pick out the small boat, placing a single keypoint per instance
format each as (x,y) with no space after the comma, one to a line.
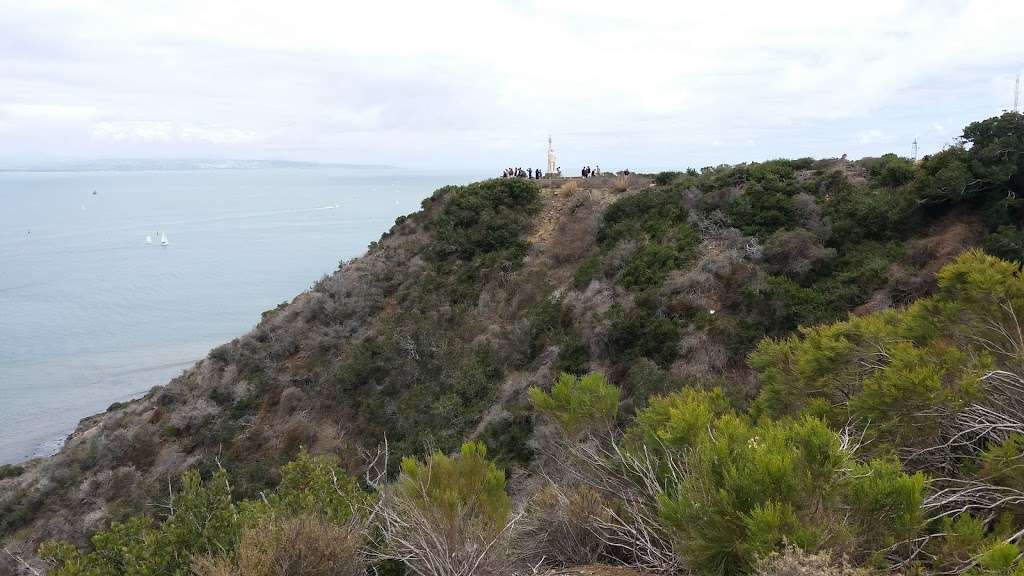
(163,239)
(149,239)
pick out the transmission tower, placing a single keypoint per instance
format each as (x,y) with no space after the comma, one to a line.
(915,149)
(1016,95)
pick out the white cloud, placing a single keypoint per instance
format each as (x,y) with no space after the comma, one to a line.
(217,135)
(871,136)
(475,81)
(138,131)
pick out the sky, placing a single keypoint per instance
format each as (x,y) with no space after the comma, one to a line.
(480,84)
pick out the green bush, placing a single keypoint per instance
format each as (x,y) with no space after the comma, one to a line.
(894,366)
(484,222)
(766,205)
(546,324)
(578,403)
(448,512)
(1006,242)
(782,305)
(747,488)
(508,440)
(573,354)
(651,263)
(996,155)
(310,486)
(10,471)
(433,398)
(468,486)
(646,379)
(944,177)
(587,272)
(859,214)
(891,171)
(651,214)
(1000,463)
(665,178)
(656,218)
(637,333)
(204,521)
(855,276)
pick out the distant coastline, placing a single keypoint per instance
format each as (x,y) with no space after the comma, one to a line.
(158,164)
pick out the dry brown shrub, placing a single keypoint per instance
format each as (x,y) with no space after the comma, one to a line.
(618,256)
(292,398)
(620,183)
(143,447)
(809,215)
(906,285)
(561,527)
(117,484)
(303,546)
(700,354)
(570,187)
(796,253)
(725,263)
(193,416)
(721,198)
(298,433)
(795,562)
(588,311)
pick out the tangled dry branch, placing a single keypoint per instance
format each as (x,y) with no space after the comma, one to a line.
(631,529)
(431,545)
(965,433)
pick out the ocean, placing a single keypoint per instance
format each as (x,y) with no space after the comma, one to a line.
(90,314)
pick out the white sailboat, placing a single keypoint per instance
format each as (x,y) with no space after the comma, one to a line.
(163,239)
(149,239)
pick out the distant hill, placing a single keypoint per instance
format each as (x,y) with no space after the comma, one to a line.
(145,164)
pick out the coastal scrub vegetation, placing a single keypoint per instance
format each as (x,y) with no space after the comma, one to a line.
(781,367)
(840,456)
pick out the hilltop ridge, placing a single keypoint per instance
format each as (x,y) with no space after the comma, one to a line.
(434,336)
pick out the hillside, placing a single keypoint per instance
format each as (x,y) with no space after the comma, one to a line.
(695,280)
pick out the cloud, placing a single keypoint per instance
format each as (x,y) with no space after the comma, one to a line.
(871,136)
(480,83)
(139,131)
(217,135)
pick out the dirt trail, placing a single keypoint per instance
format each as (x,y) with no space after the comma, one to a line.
(559,194)
(594,570)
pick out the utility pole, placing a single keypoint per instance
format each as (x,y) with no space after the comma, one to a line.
(915,149)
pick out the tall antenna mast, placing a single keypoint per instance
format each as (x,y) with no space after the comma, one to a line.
(1016,95)
(915,149)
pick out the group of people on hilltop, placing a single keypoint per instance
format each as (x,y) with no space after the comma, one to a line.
(531,173)
(587,171)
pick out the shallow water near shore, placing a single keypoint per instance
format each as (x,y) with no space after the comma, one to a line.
(90,314)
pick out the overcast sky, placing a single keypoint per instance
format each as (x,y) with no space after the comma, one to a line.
(480,84)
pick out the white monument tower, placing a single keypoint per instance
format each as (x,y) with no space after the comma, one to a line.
(552,165)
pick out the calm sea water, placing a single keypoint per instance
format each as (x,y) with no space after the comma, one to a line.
(90,314)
